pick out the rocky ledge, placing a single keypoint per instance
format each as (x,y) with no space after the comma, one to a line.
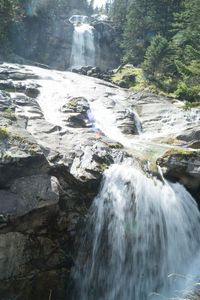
(58,133)
(184,166)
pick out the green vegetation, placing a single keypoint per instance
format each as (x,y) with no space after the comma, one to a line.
(129,76)
(10,11)
(9,114)
(4,133)
(121,78)
(181,152)
(188,105)
(161,38)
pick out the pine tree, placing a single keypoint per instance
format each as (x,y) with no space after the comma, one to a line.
(138,31)
(186,43)
(119,9)
(10,11)
(155,62)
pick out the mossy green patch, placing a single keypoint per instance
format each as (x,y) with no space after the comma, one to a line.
(181,152)
(140,82)
(114,145)
(190,105)
(130,77)
(9,113)
(165,86)
(4,133)
(102,167)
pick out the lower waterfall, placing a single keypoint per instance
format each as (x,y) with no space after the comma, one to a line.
(141,239)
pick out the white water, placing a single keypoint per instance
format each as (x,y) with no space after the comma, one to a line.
(83,46)
(141,239)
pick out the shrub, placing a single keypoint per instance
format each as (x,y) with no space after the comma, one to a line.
(184,92)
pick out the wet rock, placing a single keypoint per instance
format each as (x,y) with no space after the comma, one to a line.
(76,112)
(19,157)
(126,121)
(46,256)
(32,92)
(190,137)
(95,72)
(91,164)
(184,166)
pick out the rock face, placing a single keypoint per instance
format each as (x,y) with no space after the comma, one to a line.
(49,40)
(107,55)
(183,166)
(59,131)
(190,137)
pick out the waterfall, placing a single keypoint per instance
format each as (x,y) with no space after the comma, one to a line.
(83,46)
(141,238)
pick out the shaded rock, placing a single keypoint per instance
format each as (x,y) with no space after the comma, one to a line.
(191,137)
(19,156)
(127,121)
(95,72)
(32,92)
(184,166)
(29,193)
(24,279)
(91,164)
(17,72)
(76,110)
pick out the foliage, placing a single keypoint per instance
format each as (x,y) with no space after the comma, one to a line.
(189,105)
(155,54)
(185,92)
(163,37)
(9,114)
(124,73)
(10,11)
(52,8)
(4,133)
(137,31)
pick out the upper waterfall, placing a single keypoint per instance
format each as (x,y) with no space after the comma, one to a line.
(83,45)
(141,239)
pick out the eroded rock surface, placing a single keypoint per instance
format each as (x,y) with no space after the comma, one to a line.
(184,166)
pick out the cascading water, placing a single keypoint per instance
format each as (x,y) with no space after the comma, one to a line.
(83,46)
(140,234)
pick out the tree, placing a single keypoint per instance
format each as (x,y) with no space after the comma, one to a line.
(186,42)
(155,63)
(10,11)
(138,31)
(119,9)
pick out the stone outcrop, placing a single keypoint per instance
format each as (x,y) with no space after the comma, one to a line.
(190,137)
(94,72)
(107,53)
(183,165)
